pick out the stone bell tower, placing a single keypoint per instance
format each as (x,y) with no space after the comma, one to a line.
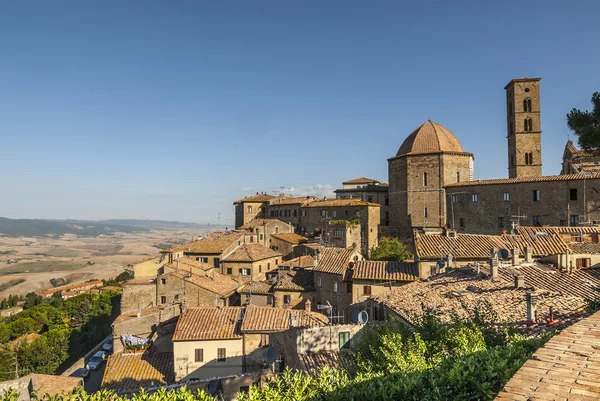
(524,127)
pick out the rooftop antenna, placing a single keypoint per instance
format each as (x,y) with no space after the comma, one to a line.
(515,219)
(219,218)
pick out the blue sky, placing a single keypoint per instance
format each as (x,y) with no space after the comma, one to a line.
(172,110)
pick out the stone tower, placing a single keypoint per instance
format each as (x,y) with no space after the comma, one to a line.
(428,159)
(524,127)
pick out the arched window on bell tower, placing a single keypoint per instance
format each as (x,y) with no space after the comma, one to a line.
(527,105)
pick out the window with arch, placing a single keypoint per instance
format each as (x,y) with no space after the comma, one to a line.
(425,180)
(249,208)
(528,125)
(529,158)
(458,176)
(527,105)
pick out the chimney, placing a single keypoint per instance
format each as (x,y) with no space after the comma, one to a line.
(450,261)
(531,299)
(528,254)
(317,256)
(515,257)
(307,305)
(292,319)
(519,281)
(494,263)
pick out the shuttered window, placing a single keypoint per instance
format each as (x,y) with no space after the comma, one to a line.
(199,355)
(221,355)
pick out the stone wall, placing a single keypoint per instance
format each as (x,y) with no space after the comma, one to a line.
(258,269)
(244,216)
(553,208)
(138,296)
(172,289)
(297,298)
(340,299)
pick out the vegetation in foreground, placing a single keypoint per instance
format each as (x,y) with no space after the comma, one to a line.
(586,124)
(464,360)
(390,249)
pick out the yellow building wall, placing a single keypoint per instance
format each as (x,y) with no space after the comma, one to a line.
(148,268)
(187,368)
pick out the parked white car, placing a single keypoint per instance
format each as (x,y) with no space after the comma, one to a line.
(107,346)
(96,360)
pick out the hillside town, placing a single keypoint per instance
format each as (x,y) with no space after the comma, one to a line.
(294,284)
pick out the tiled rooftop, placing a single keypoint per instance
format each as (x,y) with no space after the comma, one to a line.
(430,137)
(592,248)
(217,283)
(259,222)
(215,243)
(127,373)
(255,198)
(296,280)
(187,261)
(452,293)
(544,178)
(334,260)
(381,270)
(250,253)
(267,319)
(361,180)
(566,368)
(96,283)
(292,238)
(291,201)
(141,281)
(260,287)
(303,261)
(209,324)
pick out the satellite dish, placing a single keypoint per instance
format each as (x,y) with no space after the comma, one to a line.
(212,387)
(440,264)
(363,317)
(503,254)
(355,315)
(271,355)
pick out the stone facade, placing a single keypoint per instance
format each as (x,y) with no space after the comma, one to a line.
(368,190)
(333,289)
(257,269)
(342,234)
(138,294)
(417,186)
(187,368)
(524,128)
(251,207)
(487,207)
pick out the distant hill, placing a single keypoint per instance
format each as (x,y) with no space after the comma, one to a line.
(41,227)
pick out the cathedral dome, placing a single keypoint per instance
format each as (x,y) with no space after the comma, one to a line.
(430,137)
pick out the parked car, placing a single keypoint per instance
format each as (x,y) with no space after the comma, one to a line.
(107,346)
(96,360)
(85,374)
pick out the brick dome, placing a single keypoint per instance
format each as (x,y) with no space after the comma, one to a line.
(430,137)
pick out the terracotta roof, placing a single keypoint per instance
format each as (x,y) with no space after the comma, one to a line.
(187,261)
(579,283)
(334,260)
(217,283)
(573,230)
(255,198)
(467,246)
(292,201)
(313,362)
(303,261)
(592,248)
(143,312)
(250,253)
(430,137)
(340,202)
(259,222)
(479,246)
(292,238)
(209,324)
(215,243)
(127,373)
(53,384)
(380,270)
(296,280)
(261,287)
(545,178)
(451,293)
(361,180)
(95,283)
(267,319)
(567,367)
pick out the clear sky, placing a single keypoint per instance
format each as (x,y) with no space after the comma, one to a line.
(174,109)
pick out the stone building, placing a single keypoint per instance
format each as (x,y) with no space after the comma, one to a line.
(316,214)
(579,161)
(212,248)
(371,278)
(285,243)
(333,281)
(368,190)
(288,209)
(490,206)
(138,293)
(211,289)
(295,289)
(524,128)
(429,159)
(342,233)
(264,229)
(250,207)
(250,262)
(217,342)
